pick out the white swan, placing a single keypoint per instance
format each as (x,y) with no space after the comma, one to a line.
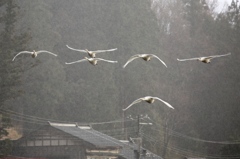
(91,53)
(148,99)
(34,53)
(206,59)
(146,57)
(93,61)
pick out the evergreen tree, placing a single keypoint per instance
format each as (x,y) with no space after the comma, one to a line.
(5,144)
(10,78)
(10,43)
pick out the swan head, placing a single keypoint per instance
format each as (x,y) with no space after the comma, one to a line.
(87,51)
(90,53)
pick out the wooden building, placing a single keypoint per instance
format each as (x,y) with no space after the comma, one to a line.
(71,141)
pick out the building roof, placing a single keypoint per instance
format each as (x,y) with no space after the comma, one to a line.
(100,140)
(88,134)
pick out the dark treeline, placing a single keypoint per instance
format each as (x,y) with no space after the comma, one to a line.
(205,96)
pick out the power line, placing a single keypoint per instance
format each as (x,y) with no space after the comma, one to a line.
(180,135)
(43,121)
(28,116)
(31,119)
(188,152)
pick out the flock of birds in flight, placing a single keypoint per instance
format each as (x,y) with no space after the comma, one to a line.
(147,57)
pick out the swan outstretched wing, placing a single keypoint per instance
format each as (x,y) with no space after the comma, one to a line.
(131,59)
(159,59)
(98,51)
(134,102)
(41,51)
(166,103)
(196,58)
(22,52)
(214,56)
(69,63)
(207,57)
(76,49)
(100,59)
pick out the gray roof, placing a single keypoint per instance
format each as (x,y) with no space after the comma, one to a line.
(89,135)
(99,139)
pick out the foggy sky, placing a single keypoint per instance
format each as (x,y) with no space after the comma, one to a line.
(221,4)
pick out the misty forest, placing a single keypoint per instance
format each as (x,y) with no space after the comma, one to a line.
(205,121)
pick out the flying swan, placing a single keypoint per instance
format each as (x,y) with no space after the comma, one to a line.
(93,61)
(146,57)
(34,53)
(206,59)
(148,99)
(91,53)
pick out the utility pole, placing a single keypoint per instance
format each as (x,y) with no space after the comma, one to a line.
(123,125)
(123,120)
(138,126)
(138,137)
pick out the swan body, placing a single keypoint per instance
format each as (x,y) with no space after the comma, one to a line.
(93,61)
(206,59)
(148,99)
(91,53)
(33,53)
(146,57)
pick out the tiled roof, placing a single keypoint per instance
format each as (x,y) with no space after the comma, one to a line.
(99,139)
(88,135)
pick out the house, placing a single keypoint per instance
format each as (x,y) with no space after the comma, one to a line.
(72,141)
